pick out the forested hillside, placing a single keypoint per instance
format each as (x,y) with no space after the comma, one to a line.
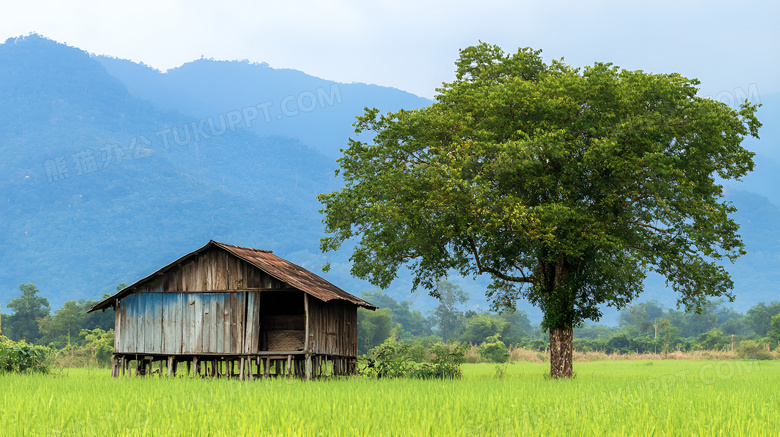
(110,169)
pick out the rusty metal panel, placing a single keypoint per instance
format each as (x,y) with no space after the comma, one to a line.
(293,274)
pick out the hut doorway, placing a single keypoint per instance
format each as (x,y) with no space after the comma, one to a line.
(282,321)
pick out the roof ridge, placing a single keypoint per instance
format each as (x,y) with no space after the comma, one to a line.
(244,247)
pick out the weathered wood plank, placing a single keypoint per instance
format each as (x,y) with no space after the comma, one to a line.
(218,337)
(158,321)
(199,319)
(215,326)
(207,322)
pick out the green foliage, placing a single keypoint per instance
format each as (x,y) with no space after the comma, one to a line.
(22,357)
(754,350)
(494,350)
(392,359)
(64,326)
(374,327)
(100,343)
(388,360)
(712,340)
(564,185)
(759,317)
(412,322)
(482,326)
(445,363)
(446,316)
(28,309)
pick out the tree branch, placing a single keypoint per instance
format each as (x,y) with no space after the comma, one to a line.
(484,269)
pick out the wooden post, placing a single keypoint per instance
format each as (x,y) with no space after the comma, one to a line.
(308,366)
(170,365)
(267,368)
(289,365)
(306,326)
(161,368)
(241,372)
(194,367)
(113,366)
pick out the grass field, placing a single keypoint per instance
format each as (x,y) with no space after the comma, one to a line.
(661,398)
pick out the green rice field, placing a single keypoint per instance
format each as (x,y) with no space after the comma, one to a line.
(615,398)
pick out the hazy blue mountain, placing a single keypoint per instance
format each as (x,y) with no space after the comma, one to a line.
(90,195)
(110,169)
(318,112)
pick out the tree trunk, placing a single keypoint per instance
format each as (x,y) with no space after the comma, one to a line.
(561,352)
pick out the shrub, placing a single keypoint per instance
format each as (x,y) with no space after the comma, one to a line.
(445,363)
(22,357)
(394,360)
(493,349)
(754,350)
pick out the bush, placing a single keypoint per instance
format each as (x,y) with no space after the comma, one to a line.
(388,360)
(22,357)
(445,364)
(494,350)
(754,350)
(394,360)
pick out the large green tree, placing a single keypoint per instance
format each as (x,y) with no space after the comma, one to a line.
(29,309)
(564,185)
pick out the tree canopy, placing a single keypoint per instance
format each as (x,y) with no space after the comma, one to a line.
(564,185)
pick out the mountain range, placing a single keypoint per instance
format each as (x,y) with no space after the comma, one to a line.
(111,169)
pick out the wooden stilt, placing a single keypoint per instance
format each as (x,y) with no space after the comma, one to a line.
(289,365)
(308,366)
(113,366)
(194,367)
(170,366)
(267,368)
(241,372)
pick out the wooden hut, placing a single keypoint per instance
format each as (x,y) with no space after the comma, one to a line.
(234,311)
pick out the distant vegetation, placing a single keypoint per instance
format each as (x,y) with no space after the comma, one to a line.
(399,340)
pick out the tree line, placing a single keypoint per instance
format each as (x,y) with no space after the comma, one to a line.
(645,327)
(31,320)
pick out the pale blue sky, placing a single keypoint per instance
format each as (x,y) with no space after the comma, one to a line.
(412,45)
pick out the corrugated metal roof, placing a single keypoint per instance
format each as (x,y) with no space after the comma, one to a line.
(265,260)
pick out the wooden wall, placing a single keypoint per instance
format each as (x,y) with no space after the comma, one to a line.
(188,323)
(333,328)
(214,270)
(205,305)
